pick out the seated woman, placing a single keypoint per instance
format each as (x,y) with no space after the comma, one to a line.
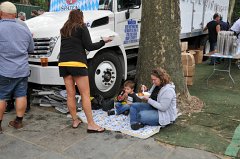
(160,107)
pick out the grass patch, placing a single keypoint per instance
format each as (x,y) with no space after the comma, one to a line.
(213,128)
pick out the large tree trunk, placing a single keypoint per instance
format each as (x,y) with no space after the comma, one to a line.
(230,11)
(159,43)
(24,2)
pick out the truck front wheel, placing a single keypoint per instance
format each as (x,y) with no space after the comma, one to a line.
(105,74)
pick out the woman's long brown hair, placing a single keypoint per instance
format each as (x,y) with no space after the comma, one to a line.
(162,75)
(75,20)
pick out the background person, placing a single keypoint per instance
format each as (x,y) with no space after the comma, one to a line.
(41,11)
(14,69)
(236,29)
(22,16)
(213,28)
(75,39)
(160,107)
(223,25)
(34,13)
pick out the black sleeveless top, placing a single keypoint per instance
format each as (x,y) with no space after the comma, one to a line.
(73,48)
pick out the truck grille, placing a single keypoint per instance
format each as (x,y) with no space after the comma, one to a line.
(41,46)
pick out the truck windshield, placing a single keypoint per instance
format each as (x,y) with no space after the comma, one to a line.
(105,5)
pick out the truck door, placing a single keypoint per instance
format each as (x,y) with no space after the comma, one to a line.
(198,15)
(128,29)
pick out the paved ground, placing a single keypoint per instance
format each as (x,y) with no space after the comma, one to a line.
(48,135)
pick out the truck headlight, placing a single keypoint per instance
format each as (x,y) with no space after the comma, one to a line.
(52,43)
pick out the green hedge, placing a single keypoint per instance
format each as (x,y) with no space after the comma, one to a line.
(27,9)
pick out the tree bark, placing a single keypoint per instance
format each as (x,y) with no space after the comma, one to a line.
(160,44)
(24,2)
(230,10)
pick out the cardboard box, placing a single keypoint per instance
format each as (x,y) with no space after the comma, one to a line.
(187,59)
(198,56)
(184,46)
(201,47)
(192,52)
(189,71)
(189,81)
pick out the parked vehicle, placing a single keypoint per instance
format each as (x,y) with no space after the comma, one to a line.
(117,59)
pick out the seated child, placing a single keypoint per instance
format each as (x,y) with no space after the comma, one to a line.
(125,99)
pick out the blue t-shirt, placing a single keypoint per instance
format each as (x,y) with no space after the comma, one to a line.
(15,43)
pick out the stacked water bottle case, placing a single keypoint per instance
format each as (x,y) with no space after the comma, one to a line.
(227,43)
(188,63)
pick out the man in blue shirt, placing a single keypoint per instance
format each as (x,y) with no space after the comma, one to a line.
(10,103)
(223,25)
(15,43)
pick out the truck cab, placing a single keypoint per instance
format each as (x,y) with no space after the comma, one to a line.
(108,65)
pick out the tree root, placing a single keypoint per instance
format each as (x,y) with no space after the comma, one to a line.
(188,104)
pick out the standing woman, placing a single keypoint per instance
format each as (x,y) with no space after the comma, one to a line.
(160,107)
(75,39)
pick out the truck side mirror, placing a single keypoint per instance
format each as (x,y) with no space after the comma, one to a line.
(134,4)
(127,14)
(138,2)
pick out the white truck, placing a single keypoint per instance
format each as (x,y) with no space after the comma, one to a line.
(110,65)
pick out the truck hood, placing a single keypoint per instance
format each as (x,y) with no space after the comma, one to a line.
(50,23)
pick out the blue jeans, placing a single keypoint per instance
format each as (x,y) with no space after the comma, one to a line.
(121,108)
(13,87)
(144,113)
(213,47)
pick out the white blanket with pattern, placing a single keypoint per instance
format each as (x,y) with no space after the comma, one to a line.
(119,123)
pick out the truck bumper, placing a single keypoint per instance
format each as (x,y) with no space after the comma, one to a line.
(45,75)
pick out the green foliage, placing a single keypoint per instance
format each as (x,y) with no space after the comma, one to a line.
(236,12)
(42,3)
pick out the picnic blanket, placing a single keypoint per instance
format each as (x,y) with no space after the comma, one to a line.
(119,123)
